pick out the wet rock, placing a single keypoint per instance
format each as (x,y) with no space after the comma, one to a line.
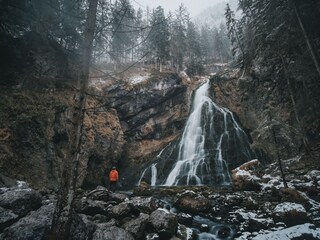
(121,210)
(290,213)
(224,232)
(191,202)
(105,232)
(164,223)
(81,228)
(90,207)
(204,228)
(100,194)
(185,233)
(143,204)
(36,225)
(247,176)
(99,218)
(184,218)
(251,221)
(118,197)
(152,236)
(292,195)
(7,217)
(143,189)
(137,226)
(250,203)
(20,201)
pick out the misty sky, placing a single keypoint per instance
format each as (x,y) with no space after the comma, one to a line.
(193,6)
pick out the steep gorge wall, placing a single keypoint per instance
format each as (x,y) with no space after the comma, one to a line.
(34,137)
(152,114)
(126,126)
(129,124)
(262,109)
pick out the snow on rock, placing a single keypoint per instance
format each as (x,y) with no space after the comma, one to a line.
(289,206)
(290,213)
(246,177)
(251,221)
(304,231)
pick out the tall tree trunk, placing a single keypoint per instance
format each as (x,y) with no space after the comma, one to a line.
(279,159)
(63,213)
(306,38)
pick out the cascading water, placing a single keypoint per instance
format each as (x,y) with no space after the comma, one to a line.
(210,138)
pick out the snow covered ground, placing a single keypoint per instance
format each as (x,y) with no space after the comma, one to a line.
(304,231)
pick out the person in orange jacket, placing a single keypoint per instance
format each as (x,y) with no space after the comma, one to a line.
(113,178)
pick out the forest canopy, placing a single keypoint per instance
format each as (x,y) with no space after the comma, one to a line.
(43,39)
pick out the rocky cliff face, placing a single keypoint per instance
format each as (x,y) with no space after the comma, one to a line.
(129,124)
(125,126)
(35,134)
(263,109)
(151,113)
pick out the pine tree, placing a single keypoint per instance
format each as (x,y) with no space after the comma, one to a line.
(159,37)
(179,36)
(206,42)
(233,30)
(194,50)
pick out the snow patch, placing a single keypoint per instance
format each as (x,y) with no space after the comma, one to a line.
(288,207)
(290,233)
(22,185)
(164,210)
(246,174)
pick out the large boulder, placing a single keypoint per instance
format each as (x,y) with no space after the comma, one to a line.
(121,210)
(144,204)
(290,213)
(164,223)
(192,202)
(105,232)
(137,226)
(20,201)
(251,221)
(7,217)
(247,176)
(36,225)
(118,197)
(100,194)
(90,207)
(81,228)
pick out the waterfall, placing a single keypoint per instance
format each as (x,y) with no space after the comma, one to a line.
(154,174)
(211,137)
(191,162)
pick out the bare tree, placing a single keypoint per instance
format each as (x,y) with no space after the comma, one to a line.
(63,214)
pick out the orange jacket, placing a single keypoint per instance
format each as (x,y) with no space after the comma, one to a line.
(113,176)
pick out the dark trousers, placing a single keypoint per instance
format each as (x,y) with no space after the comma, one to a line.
(113,186)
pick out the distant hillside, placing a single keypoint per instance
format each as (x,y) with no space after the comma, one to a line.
(214,15)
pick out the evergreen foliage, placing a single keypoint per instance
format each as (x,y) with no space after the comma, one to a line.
(159,36)
(44,39)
